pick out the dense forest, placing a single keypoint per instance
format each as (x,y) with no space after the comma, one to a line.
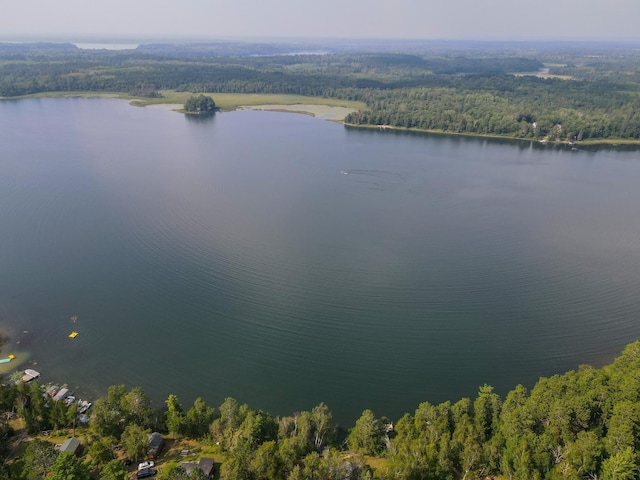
(571,92)
(582,424)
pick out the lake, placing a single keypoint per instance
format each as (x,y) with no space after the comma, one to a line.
(286,261)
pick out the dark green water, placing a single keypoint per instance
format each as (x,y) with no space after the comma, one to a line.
(233,256)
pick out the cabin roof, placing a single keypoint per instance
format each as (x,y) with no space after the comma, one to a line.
(206,465)
(70,445)
(155,439)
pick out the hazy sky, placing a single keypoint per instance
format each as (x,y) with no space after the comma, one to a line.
(444,19)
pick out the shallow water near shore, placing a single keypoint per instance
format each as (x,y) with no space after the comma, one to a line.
(288,261)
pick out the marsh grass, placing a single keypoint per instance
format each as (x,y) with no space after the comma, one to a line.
(231,101)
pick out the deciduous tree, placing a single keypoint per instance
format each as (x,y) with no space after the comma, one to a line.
(135,441)
(114,470)
(69,467)
(367,436)
(174,416)
(199,418)
(38,459)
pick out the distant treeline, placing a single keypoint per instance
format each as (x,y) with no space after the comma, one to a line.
(460,92)
(583,424)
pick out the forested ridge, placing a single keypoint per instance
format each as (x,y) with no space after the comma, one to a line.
(593,92)
(582,424)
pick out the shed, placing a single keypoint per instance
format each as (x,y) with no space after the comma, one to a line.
(70,445)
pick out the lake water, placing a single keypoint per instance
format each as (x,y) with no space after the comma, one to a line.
(288,261)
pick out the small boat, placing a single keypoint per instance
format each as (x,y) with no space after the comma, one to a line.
(83,406)
(8,359)
(61,394)
(73,334)
(69,400)
(52,390)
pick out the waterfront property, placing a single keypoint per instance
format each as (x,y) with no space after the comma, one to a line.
(71,445)
(205,464)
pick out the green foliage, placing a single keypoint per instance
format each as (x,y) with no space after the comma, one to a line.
(32,406)
(108,418)
(224,430)
(114,470)
(69,467)
(368,435)
(61,415)
(323,430)
(175,472)
(101,450)
(197,474)
(258,427)
(486,412)
(7,397)
(135,441)
(121,408)
(265,462)
(199,418)
(38,459)
(200,104)
(174,416)
(621,466)
(136,407)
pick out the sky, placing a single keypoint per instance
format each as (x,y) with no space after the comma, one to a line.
(401,19)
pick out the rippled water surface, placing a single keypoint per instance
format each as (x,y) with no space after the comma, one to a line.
(285,261)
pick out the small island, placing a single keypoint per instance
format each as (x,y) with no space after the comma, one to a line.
(200,105)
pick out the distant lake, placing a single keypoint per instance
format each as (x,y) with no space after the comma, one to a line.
(106,46)
(287,261)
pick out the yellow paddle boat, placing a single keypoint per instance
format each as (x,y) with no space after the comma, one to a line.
(8,359)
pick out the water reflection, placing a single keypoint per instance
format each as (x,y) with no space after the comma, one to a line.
(201,119)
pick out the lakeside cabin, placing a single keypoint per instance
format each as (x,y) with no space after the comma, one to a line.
(154,445)
(69,445)
(205,464)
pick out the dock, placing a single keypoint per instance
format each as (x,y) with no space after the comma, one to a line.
(29,375)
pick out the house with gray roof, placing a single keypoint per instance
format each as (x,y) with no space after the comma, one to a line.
(70,445)
(205,464)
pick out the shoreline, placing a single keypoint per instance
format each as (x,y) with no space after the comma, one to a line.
(296,104)
(612,142)
(9,345)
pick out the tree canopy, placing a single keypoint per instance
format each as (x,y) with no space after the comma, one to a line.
(200,104)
